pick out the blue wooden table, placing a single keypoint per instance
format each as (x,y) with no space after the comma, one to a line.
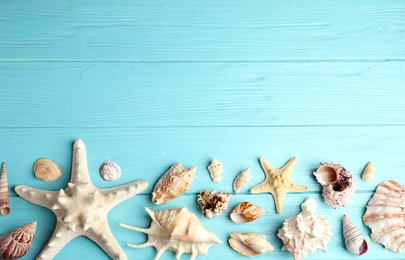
(150,83)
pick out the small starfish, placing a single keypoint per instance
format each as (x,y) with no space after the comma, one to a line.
(81,209)
(278,182)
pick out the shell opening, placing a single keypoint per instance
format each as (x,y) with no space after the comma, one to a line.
(363,248)
(326,175)
(241,247)
(5,211)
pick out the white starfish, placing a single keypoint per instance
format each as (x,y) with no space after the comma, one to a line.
(81,209)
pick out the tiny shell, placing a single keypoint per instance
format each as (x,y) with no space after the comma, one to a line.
(212,202)
(246,212)
(47,170)
(249,244)
(110,171)
(4,196)
(368,173)
(241,180)
(16,244)
(215,169)
(354,239)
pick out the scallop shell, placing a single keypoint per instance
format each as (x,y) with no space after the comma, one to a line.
(304,233)
(215,169)
(212,202)
(354,239)
(250,244)
(173,183)
(241,180)
(4,197)
(178,230)
(16,244)
(385,215)
(47,170)
(110,171)
(337,184)
(368,173)
(246,212)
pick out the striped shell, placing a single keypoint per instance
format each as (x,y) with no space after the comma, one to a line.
(354,239)
(4,197)
(241,180)
(47,170)
(212,202)
(246,212)
(368,173)
(215,169)
(385,217)
(110,171)
(249,244)
(16,244)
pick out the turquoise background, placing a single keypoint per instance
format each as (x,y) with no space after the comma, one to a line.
(150,83)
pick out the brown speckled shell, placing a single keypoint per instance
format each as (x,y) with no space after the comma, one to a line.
(212,202)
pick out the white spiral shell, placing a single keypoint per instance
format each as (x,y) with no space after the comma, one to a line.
(354,239)
(215,169)
(4,196)
(241,180)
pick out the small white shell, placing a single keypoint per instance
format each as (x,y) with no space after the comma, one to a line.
(4,196)
(368,173)
(47,170)
(354,239)
(110,171)
(246,212)
(215,169)
(249,244)
(241,180)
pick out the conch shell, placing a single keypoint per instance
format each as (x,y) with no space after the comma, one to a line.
(47,170)
(385,215)
(337,184)
(16,244)
(178,230)
(4,197)
(212,202)
(305,233)
(173,183)
(241,180)
(246,212)
(368,173)
(354,239)
(215,169)
(110,171)
(250,244)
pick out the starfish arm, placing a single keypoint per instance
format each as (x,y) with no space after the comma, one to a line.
(288,167)
(43,198)
(298,188)
(118,194)
(266,166)
(279,200)
(262,187)
(80,171)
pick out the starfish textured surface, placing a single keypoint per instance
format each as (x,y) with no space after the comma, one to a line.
(81,209)
(278,182)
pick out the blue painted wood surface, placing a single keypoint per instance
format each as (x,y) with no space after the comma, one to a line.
(150,83)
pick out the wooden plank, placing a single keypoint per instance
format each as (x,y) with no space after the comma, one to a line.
(201,30)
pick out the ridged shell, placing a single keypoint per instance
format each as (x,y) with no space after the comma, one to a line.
(47,170)
(338,186)
(16,244)
(241,180)
(110,171)
(354,239)
(215,169)
(250,244)
(368,173)
(385,215)
(304,233)
(178,230)
(173,183)
(246,212)
(212,202)
(4,196)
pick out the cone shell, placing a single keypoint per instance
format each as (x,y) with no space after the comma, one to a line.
(110,171)
(385,216)
(354,239)
(368,173)
(249,244)
(178,230)
(47,170)
(173,183)
(4,197)
(17,243)
(241,180)
(215,169)
(246,212)
(212,202)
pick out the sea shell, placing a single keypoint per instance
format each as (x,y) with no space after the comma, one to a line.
(173,183)
(212,202)
(47,170)
(16,244)
(337,184)
(368,173)
(249,244)
(246,212)
(241,180)
(4,198)
(110,171)
(354,239)
(304,233)
(215,169)
(385,215)
(178,230)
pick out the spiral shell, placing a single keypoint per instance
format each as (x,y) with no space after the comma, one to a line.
(215,169)
(368,173)
(249,244)
(354,239)
(110,171)
(4,197)
(16,244)
(246,212)
(213,203)
(241,180)
(47,170)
